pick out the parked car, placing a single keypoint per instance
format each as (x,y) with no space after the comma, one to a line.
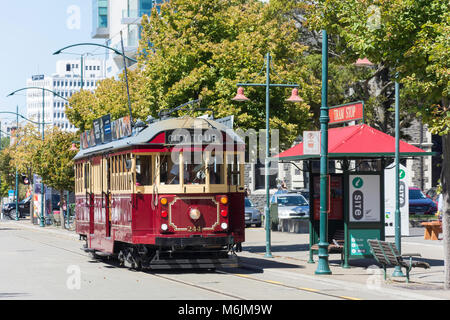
(252,214)
(419,203)
(291,205)
(9,209)
(303,192)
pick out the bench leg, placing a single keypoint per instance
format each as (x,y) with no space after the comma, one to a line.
(427,233)
(434,234)
(407,274)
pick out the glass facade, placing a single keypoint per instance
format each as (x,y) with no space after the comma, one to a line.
(99,17)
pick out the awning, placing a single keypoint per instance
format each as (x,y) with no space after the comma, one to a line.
(360,141)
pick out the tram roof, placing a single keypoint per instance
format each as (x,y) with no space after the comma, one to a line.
(145,135)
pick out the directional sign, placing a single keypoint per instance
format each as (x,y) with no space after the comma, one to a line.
(345,113)
(311,142)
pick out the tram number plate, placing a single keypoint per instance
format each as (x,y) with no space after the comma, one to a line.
(194,229)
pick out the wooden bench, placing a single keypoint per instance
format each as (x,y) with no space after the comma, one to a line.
(432,230)
(386,254)
(336,245)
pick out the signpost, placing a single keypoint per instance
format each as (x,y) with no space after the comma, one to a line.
(347,112)
(389,178)
(364,198)
(311,142)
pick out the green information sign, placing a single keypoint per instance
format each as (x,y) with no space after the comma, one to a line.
(358,241)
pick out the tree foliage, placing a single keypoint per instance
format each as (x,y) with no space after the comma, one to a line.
(53,160)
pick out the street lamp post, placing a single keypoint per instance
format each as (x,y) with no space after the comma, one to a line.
(17,176)
(294,98)
(398,241)
(117,52)
(322,265)
(42,224)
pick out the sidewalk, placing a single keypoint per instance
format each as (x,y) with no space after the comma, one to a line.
(290,259)
(291,254)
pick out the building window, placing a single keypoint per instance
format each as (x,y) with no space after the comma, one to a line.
(68,67)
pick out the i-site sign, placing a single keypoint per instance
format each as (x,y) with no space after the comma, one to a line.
(347,112)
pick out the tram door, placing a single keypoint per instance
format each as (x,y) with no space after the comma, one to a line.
(89,194)
(106,192)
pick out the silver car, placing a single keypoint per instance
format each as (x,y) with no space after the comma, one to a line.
(291,205)
(252,214)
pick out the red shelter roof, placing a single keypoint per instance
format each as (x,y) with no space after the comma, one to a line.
(360,141)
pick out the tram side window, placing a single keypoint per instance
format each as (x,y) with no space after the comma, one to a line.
(169,171)
(194,168)
(233,170)
(143,170)
(216,169)
(86,175)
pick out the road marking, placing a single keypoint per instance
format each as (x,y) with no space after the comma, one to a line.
(349,298)
(308,289)
(274,282)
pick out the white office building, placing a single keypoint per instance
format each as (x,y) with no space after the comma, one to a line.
(65,82)
(110,17)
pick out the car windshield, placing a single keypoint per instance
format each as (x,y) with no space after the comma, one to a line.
(25,200)
(291,201)
(416,194)
(248,203)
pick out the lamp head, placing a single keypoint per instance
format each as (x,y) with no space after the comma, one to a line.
(240,95)
(74,147)
(363,63)
(294,96)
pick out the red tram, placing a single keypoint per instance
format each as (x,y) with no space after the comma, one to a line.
(170,195)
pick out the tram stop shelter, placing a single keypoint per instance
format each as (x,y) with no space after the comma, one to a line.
(358,156)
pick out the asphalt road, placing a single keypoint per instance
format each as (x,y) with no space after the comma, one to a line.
(49,264)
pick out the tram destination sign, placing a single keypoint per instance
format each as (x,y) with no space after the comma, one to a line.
(189,136)
(348,112)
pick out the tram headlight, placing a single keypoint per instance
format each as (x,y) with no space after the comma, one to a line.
(224,213)
(224,226)
(194,214)
(164,227)
(163,201)
(164,214)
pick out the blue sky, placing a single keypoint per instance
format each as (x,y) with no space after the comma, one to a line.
(31,30)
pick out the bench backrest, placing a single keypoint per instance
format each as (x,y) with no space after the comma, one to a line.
(384,252)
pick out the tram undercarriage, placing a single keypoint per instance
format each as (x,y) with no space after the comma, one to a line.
(173,257)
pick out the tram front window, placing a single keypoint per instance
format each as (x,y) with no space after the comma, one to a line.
(143,170)
(216,172)
(169,171)
(194,168)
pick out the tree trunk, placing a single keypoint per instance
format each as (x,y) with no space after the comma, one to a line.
(445,180)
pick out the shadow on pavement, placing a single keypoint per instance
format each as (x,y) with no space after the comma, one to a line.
(277,248)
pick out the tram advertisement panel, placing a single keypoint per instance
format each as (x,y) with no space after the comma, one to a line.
(364,204)
(336,199)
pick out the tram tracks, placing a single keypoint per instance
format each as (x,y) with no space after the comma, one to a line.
(240,273)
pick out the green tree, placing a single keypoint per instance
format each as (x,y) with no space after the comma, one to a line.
(53,161)
(197,48)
